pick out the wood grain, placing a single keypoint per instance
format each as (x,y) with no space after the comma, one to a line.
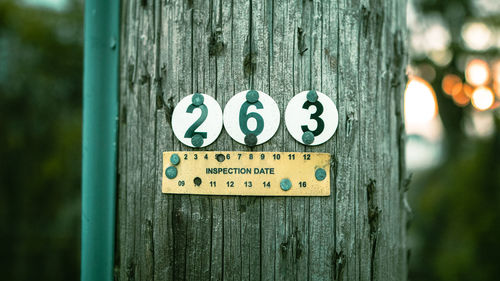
(353,51)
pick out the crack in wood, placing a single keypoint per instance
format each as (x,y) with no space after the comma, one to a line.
(130,271)
(301,41)
(338,264)
(216,42)
(373,221)
(131,76)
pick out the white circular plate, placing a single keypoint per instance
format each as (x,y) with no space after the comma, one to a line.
(302,115)
(261,118)
(188,120)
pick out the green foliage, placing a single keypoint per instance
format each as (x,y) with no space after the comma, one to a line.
(40,148)
(457,217)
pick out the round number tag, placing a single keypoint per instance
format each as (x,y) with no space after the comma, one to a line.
(251,117)
(311,117)
(197,120)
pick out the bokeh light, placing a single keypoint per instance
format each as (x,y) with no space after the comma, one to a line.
(477,72)
(482,98)
(460,96)
(419,101)
(477,36)
(496,89)
(468,90)
(496,71)
(425,71)
(496,77)
(441,57)
(449,82)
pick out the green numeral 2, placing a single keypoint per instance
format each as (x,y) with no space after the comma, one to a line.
(204,113)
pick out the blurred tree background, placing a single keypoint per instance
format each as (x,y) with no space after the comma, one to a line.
(452,120)
(40,145)
(455,193)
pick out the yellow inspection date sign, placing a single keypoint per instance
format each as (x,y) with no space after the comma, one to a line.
(246,173)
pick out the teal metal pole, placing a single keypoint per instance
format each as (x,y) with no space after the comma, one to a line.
(100,113)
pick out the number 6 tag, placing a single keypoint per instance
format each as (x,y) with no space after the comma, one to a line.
(311,117)
(251,117)
(197,120)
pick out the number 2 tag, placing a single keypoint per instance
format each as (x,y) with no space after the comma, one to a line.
(197,120)
(311,117)
(251,117)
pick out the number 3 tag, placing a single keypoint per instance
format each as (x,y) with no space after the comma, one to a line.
(311,117)
(251,117)
(197,120)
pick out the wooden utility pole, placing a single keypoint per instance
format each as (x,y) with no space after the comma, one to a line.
(353,51)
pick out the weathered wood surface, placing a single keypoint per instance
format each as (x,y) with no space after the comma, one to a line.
(352,51)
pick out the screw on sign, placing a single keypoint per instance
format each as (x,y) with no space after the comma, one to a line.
(175,159)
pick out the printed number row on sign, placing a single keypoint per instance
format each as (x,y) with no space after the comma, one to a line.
(253,117)
(240,156)
(247,184)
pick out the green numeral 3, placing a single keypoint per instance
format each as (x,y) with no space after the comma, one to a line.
(315,116)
